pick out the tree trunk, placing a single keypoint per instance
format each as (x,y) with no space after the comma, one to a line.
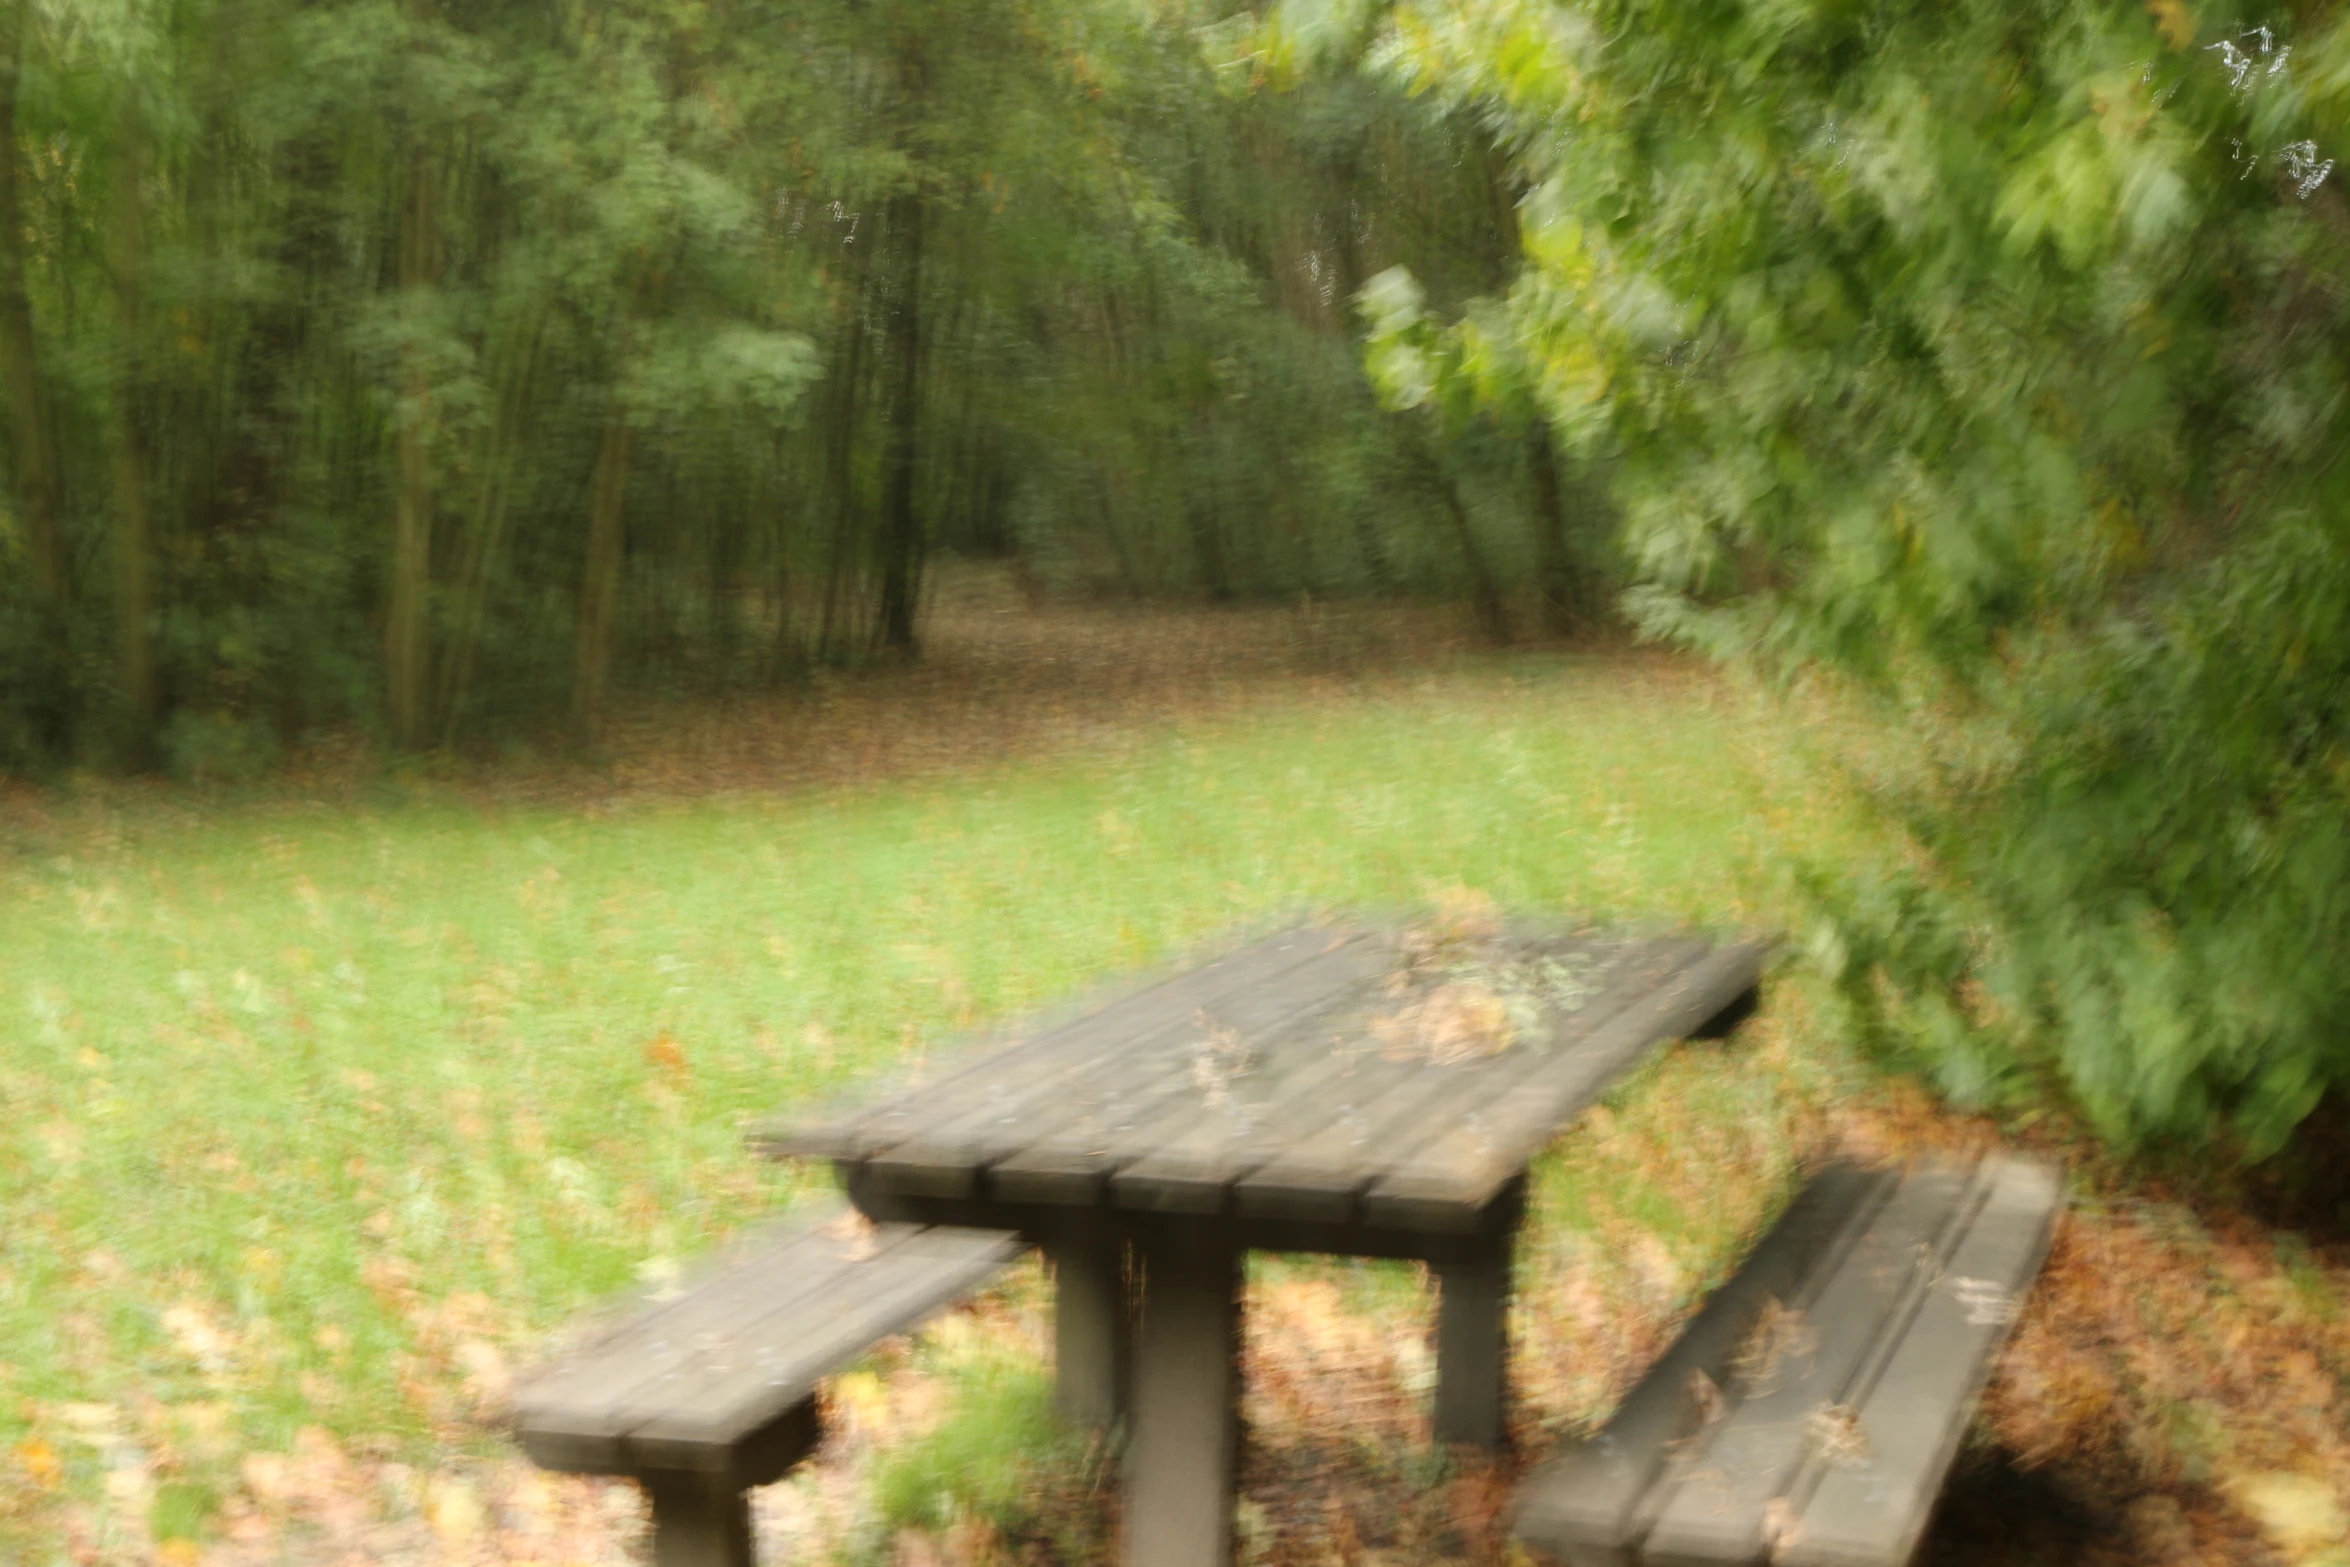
(1563,606)
(485,535)
(1484,589)
(901,523)
(1209,543)
(846,388)
(407,641)
(38,474)
(599,588)
(134,574)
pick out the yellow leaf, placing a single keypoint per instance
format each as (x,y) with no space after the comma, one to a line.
(41,1462)
(2299,1514)
(667,1054)
(454,1510)
(2174,21)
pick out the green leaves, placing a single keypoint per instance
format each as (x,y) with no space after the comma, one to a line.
(1982,356)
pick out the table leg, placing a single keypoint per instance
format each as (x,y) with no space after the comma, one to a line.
(1182,1458)
(1092,1325)
(699,1521)
(1472,1349)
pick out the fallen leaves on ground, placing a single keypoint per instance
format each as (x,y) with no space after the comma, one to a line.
(2174,1391)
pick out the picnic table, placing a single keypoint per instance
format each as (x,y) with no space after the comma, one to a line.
(1351,1088)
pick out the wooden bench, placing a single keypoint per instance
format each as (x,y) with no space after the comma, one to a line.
(710,1389)
(1808,1414)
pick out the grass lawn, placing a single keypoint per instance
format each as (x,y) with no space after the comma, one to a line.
(321,1109)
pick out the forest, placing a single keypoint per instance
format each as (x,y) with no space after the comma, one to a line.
(445,366)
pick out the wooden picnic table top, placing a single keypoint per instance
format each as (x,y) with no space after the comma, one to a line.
(1338,1072)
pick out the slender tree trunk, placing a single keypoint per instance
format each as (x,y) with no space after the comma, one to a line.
(901,523)
(134,573)
(1563,607)
(1484,588)
(407,641)
(486,533)
(846,387)
(599,588)
(39,478)
(1206,520)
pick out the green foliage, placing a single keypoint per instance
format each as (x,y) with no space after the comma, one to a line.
(430,366)
(1989,357)
(986,1458)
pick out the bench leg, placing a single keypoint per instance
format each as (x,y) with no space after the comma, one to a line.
(1182,1456)
(699,1521)
(1472,1349)
(1092,1326)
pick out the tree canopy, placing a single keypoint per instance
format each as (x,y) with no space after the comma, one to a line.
(1990,357)
(432,366)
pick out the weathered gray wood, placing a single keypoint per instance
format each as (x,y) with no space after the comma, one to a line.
(569,1411)
(996,1119)
(1472,1349)
(1446,1181)
(1073,1163)
(1093,1322)
(1319,1170)
(1181,1462)
(1721,1506)
(1871,1510)
(1203,1156)
(1031,1051)
(1182,1156)
(1592,1506)
(680,1421)
(699,1522)
(660,1393)
(1102,1122)
(1352,1238)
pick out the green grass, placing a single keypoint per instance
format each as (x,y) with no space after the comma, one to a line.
(306,1111)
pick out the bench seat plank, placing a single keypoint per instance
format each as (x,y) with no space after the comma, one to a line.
(716,1379)
(1592,1506)
(1873,1510)
(1824,1437)
(1720,1510)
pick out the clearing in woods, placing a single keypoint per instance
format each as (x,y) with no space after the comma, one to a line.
(326,1100)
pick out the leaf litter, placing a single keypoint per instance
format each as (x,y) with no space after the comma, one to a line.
(2174,1391)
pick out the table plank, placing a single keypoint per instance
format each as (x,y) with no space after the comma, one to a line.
(888,1116)
(1072,1162)
(946,1155)
(1320,1169)
(1192,1160)
(1446,1180)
